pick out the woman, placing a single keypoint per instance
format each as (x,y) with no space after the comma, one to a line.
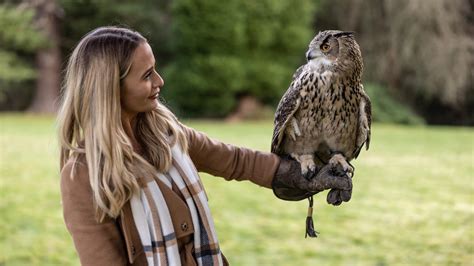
(129,184)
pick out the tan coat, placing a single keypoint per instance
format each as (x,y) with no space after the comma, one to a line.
(116,241)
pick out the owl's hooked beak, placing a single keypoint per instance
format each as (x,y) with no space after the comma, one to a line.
(311,54)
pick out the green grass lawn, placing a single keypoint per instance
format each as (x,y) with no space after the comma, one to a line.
(413,201)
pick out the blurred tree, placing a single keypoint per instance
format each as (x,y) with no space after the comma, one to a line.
(386,109)
(19,40)
(149,17)
(48,59)
(422,50)
(63,23)
(226,49)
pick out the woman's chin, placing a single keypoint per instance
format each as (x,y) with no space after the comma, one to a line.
(153,105)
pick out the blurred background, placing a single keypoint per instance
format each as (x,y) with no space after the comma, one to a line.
(225,65)
(219,59)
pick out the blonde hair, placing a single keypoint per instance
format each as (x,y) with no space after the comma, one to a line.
(89,120)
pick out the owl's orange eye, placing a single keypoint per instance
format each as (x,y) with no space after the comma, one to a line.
(325,47)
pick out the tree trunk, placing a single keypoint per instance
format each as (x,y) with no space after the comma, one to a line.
(48,59)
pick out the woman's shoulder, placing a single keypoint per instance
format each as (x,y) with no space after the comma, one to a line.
(75,172)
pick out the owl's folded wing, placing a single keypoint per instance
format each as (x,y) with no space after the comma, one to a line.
(365,123)
(287,107)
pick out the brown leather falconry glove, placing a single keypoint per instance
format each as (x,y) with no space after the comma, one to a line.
(289,184)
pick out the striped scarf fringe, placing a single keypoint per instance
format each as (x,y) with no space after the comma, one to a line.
(153,221)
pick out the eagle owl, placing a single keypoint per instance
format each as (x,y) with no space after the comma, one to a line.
(325,115)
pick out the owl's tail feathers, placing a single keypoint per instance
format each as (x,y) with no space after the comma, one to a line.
(309,221)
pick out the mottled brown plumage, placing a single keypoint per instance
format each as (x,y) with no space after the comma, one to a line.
(325,114)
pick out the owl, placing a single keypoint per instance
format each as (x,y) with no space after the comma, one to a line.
(325,115)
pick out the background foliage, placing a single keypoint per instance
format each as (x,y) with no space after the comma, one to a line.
(386,108)
(151,18)
(19,41)
(422,51)
(213,53)
(19,38)
(221,55)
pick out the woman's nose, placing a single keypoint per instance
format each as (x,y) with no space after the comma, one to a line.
(159,82)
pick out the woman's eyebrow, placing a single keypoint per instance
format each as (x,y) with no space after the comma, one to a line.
(148,70)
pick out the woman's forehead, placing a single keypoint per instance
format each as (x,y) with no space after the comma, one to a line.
(142,58)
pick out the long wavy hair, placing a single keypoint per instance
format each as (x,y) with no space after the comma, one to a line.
(89,120)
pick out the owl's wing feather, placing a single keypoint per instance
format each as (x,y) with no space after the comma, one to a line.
(287,107)
(365,123)
(368,113)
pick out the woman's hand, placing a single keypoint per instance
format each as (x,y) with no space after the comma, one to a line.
(289,183)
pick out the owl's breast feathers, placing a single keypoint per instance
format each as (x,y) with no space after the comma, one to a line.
(326,110)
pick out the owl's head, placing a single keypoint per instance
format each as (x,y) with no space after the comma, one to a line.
(336,51)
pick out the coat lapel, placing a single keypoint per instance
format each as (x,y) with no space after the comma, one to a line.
(130,233)
(180,217)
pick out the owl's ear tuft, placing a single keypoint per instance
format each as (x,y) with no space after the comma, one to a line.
(344,33)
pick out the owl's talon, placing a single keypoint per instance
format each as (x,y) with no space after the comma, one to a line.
(308,167)
(338,170)
(352,169)
(310,173)
(340,166)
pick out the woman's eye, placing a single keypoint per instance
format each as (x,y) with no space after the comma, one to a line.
(148,75)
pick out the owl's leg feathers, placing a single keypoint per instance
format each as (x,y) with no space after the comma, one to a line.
(308,167)
(296,128)
(292,134)
(339,163)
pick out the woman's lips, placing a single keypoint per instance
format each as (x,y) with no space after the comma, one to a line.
(154,96)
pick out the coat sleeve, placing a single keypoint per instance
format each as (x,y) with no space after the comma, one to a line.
(96,243)
(231,162)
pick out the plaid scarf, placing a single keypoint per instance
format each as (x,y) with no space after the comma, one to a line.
(153,221)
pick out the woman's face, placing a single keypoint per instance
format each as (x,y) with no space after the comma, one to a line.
(142,84)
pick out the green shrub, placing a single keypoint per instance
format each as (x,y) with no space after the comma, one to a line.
(226,49)
(19,40)
(206,87)
(386,109)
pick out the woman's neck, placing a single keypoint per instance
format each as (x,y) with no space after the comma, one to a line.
(129,123)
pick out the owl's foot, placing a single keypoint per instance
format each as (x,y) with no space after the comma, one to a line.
(310,172)
(340,165)
(308,167)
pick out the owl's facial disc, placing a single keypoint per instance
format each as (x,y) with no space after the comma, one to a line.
(318,59)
